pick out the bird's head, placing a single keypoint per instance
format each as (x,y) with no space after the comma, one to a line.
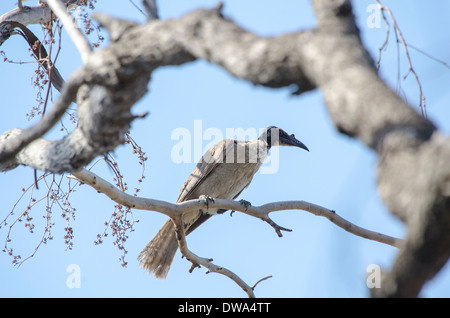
(275,136)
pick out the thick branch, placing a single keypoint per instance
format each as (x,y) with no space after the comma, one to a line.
(271,62)
(39,14)
(29,15)
(413,180)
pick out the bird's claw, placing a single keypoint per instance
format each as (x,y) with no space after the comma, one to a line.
(245,203)
(206,199)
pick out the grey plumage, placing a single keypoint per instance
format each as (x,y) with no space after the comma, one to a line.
(224,171)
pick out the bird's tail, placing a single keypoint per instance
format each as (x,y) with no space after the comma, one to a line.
(158,255)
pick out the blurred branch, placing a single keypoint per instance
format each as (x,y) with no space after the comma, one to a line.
(14,140)
(151,9)
(39,52)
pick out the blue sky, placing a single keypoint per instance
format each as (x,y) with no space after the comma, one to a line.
(317,259)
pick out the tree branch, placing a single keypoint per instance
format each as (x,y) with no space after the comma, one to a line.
(151,9)
(400,39)
(39,14)
(206,262)
(176,211)
(29,15)
(413,173)
(40,53)
(262,212)
(13,141)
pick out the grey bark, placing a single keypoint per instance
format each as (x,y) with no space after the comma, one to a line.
(28,15)
(413,169)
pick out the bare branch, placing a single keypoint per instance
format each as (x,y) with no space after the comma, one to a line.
(176,211)
(40,53)
(261,212)
(259,281)
(197,261)
(135,202)
(401,39)
(29,15)
(25,15)
(428,55)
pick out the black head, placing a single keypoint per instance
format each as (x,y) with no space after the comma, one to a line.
(275,136)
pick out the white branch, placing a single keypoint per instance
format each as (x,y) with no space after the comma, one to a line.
(262,212)
(176,211)
(103,186)
(74,32)
(206,262)
(29,15)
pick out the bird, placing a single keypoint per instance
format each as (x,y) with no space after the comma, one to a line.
(223,172)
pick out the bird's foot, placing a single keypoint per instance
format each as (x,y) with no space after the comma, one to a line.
(245,203)
(206,199)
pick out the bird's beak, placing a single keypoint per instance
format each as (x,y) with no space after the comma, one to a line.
(292,141)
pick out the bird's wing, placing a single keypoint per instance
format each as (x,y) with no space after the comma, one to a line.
(212,157)
(226,148)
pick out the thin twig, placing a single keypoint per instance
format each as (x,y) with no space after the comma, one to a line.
(428,55)
(259,281)
(75,34)
(401,39)
(20,6)
(139,9)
